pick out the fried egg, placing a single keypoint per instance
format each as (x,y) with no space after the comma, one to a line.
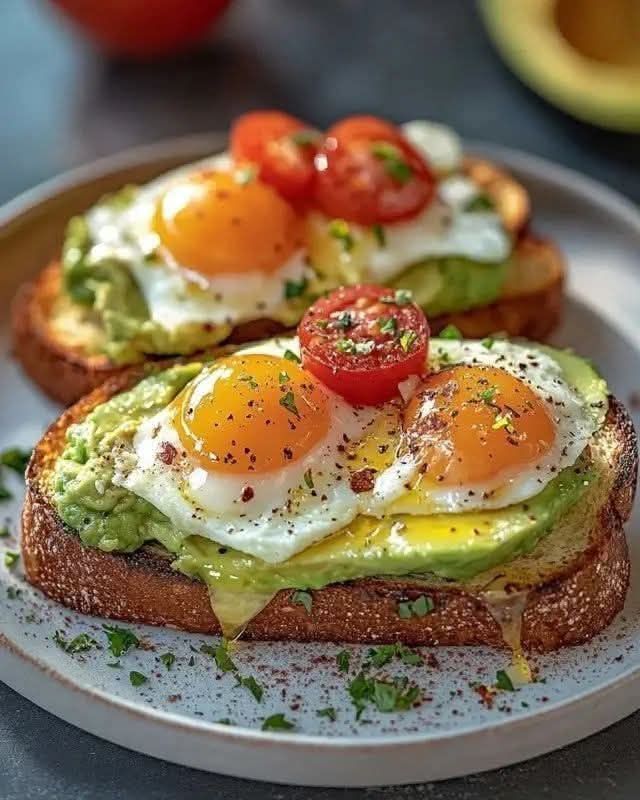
(209,243)
(251,454)
(490,428)
(450,226)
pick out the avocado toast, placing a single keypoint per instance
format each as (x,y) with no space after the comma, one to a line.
(549,571)
(245,258)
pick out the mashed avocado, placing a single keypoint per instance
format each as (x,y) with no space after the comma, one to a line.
(101,282)
(455,546)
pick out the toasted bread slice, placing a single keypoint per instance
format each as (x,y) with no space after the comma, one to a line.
(567,589)
(53,347)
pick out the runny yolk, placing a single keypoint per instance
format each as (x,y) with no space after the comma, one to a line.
(469,425)
(252,414)
(216,225)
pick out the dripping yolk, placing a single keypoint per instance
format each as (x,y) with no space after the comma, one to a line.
(215,225)
(252,414)
(469,425)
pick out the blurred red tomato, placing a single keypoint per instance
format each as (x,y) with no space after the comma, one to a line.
(143,28)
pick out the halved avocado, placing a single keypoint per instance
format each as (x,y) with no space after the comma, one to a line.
(581,55)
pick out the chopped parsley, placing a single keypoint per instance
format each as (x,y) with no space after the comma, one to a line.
(295,288)
(291,356)
(393,160)
(221,656)
(249,379)
(344,321)
(488,395)
(380,656)
(16,459)
(343,660)
(277,722)
(379,232)
(388,325)
(401,297)
(253,686)
(308,478)
(121,640)
(79,644)
(481,202)
(387,695)
(450,332)
(488,342)
(305,137)
(504,682)
(137,678)
(168,659)
(329,713)
(305,599)
(419,607)
(288,401)
(283,377)
(11,559)
(407,339)
(339,229)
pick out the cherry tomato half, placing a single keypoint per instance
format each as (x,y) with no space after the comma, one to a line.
(282,147)
(362,341)
(369,173)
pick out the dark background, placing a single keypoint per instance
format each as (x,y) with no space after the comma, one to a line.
(62,105)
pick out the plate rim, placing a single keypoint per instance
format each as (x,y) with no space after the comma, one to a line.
(542,169)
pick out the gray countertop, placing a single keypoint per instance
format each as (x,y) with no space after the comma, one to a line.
(63,105)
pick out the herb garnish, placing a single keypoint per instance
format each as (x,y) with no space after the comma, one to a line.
(295,288)
(253,686)
(504,682)
(344,321)
(388,325)
(379,233)
(16,459)
(288,401)
(250,380)
(401,297)
(308,478)
(394,162)
(488,395)
(387,652)
(220,654)
(488,342)
(291,356)
(10,558)
(343,660)
(407,338)
(394,695)
(121,640)
(419,607)
(501,421)
(353,348)
(168,659)
(305,599)
(78,644)
(277,722)
(481,202)
(137,678)
(329,713)
(339,229)
(450,332)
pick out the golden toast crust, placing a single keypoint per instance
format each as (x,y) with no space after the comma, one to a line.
(569,607)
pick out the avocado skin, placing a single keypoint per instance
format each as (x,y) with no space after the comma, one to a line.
(453,546)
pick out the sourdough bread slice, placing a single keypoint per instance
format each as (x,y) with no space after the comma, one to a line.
(564,592)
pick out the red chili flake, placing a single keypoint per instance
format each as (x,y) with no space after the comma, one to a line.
(363,480)
(247,494)
(167,453)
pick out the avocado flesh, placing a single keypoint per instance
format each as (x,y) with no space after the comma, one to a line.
(453,546)
(585,58)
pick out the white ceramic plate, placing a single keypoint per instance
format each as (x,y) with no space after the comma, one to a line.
(176,714)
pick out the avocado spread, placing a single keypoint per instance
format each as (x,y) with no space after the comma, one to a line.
(101,282)
(454,546)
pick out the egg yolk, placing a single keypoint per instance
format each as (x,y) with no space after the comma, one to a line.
(215,224)
(469,425)
(252,414)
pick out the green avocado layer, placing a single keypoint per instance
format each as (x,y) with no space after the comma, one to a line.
(105,286)
(456,546)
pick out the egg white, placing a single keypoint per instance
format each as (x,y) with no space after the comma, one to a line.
(175,294)
(284,516)
(574,424)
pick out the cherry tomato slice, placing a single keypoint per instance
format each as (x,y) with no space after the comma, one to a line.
(362,341)
(282,147)
(369,173)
